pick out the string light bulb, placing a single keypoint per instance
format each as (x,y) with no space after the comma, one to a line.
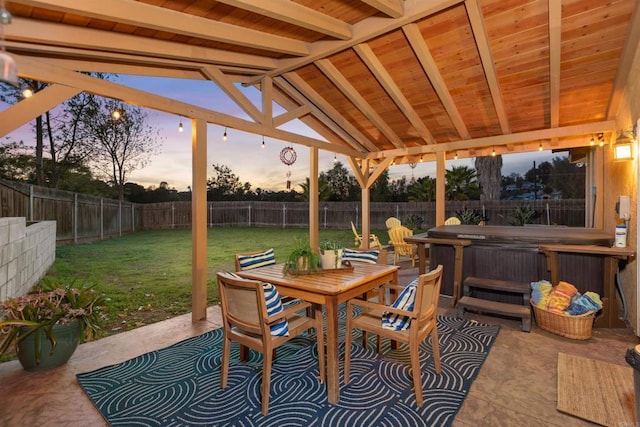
(27,93)
(493,152)
(116,114)
(224,135)
(540,147)
(180,126)
(335,158)
(262,141)
(455,155)
(592,142)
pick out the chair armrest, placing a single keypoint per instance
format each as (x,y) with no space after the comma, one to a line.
(381,307)
(292,309)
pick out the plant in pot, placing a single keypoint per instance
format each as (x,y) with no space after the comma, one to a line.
(331,254)
(302,259)
(45,326)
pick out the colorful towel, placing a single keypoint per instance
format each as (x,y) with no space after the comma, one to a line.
(560,297)
(590,301)
(540,292)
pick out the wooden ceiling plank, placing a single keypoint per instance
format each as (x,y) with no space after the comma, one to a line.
(144,15)
(386,81)
(42,101)
(47,33)
(391,8)
(288,89)
(430,67)
(227,86)
(364,31)
(479,32)
(295,14)
(315,98)
(358,100)
(625,64)
(555,47)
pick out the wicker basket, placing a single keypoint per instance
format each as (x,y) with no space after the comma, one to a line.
(574,327)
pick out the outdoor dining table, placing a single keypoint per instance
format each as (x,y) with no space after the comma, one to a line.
(328,288)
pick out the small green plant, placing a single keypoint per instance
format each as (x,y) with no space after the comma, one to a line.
(302,258)
(469,216)
(524,214)
(413,222)
(331,245)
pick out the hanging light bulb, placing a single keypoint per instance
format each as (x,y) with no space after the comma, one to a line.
(116,114)
(540,146)
(455,155)
(493,152)
(262,141)
(592,142)
(224,136)
(335,158)
(180,127)
(420,159)
(27,93)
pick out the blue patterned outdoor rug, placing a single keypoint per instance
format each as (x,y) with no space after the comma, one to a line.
(180,385)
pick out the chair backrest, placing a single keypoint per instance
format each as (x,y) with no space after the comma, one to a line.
(242,304)
(397,235)
(255,259)
(428,295)
(452,220)
(392,222)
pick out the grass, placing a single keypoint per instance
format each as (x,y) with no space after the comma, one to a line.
(146,276)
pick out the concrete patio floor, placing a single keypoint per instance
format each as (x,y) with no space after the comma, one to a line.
(517,386)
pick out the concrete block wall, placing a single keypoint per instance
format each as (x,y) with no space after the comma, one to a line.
(26,254)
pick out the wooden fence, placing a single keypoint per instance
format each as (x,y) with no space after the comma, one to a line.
(81,218)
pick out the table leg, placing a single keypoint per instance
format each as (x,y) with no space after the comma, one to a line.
(333,370)
(457,274)
(422,258)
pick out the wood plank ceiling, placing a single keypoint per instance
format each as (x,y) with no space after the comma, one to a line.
(375,78)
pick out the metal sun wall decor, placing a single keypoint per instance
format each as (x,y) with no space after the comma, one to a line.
(288,156)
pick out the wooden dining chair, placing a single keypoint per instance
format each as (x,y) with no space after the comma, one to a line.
(409,320)
(253,316)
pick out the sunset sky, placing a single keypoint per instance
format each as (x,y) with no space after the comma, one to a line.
(242,152)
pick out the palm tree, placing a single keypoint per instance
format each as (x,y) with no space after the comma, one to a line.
(462,184)
(324,191)
(422,190)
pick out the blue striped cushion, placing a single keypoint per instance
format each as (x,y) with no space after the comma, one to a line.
(247,262)
(370,257)
(274,306)
(405,301)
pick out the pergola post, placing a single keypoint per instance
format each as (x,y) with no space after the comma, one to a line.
(199,220)
(314,240)
(440,186)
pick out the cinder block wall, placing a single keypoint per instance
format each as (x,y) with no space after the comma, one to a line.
(26,253)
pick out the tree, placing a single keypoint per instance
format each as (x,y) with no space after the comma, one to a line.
(125,142)
(489,172)
(380,190)
(225,185)
(423,190)
(340,181)
(15,163)
(324,191)
(461,184)
(567,178)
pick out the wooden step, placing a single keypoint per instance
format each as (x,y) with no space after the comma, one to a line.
(495,307)
(498,285)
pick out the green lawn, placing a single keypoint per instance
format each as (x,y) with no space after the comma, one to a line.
(147,275)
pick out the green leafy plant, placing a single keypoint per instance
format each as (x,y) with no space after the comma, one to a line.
(413,221)
(522,215)
(469,216)
(50,303)
(331,245)
(302,258)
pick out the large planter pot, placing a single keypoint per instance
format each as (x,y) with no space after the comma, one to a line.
(331,258)
(67,337)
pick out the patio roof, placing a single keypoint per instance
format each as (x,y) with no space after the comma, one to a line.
(377,79)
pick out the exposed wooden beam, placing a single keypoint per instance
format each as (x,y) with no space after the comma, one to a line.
(503,140)
(555,46)
(479,32)
(139,14)
(266,88)
(366,30)
(430,67)
(233,92)
(318,121)
(315,98)
(627,59)
(296,113)
(295,14)
(392,8)
(386,81)
(45,72)
(358,100)
(47,33)
(26,110)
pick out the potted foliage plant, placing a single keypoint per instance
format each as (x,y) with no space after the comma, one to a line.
(302,259)
(45,326)
(331,254)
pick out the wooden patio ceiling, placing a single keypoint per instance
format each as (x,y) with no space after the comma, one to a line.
(375,78)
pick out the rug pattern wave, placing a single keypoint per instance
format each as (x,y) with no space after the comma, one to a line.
(180,385)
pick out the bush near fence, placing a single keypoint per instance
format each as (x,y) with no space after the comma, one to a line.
(81,218)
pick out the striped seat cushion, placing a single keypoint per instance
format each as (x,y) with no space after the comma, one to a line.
(405,301)
(370,257)
(247,262)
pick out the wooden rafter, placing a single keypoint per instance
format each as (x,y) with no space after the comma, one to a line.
(233,92)
(555,33)
(293,114)
(358,100)
(392,8)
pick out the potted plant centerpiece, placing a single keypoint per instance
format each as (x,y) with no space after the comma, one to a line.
(46,325)
(302,259)
(331,254)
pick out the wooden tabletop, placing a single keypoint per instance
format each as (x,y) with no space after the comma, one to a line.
(322,282)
